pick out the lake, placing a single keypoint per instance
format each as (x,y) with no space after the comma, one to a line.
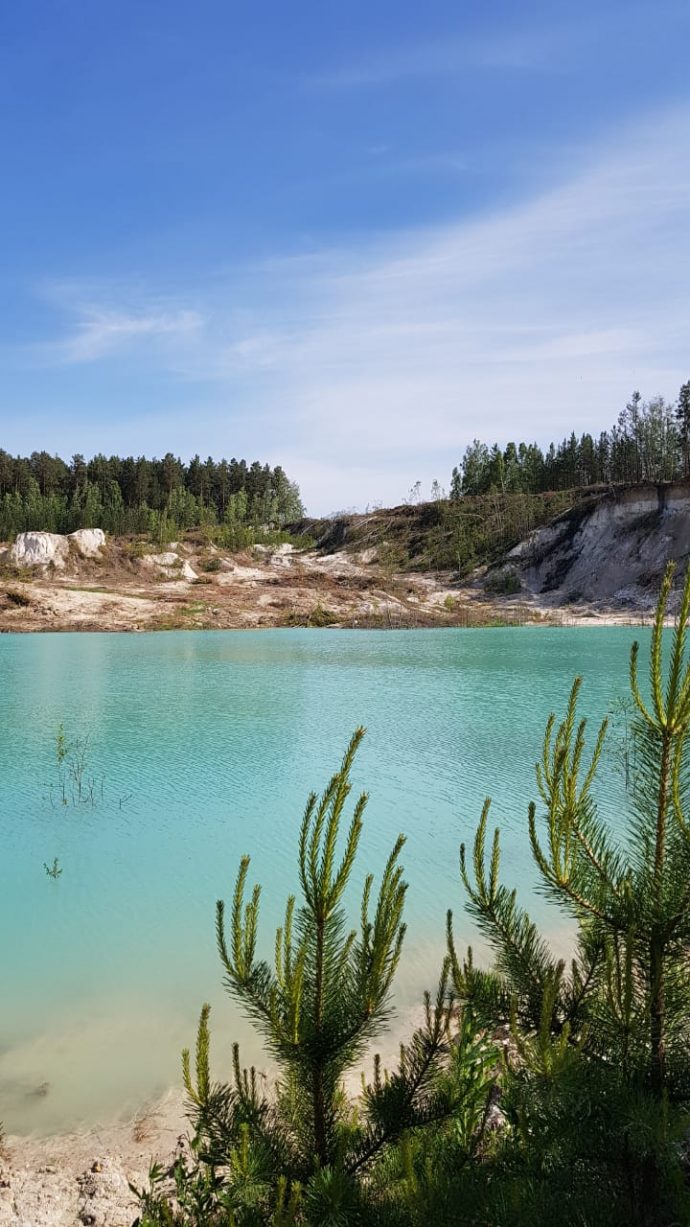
(204,746)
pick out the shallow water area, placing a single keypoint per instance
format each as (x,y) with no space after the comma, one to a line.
(203,746)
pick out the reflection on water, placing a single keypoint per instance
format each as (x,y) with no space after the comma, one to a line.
(208,744)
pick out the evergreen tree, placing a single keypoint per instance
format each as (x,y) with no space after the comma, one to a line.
(683,420)
(302,1153)
(120,495)
(455,485)
(626,995)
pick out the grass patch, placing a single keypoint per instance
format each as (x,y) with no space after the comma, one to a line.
(86,588)
(19,599)
(317,617)
(139,548)
(441,536)
(24,575)
(172,622)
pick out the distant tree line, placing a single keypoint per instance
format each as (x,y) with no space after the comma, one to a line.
(650,442)
(128,495)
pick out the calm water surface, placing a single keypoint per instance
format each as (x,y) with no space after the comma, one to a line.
(207,745)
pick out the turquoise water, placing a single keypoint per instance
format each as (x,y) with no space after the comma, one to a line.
(207,745)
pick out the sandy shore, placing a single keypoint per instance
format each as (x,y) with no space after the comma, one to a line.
(82,1179)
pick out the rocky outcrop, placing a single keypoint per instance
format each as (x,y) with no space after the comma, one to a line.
(39,549)
(171,565)
(42,549)
(89,541)
(610,549)
(83,1179)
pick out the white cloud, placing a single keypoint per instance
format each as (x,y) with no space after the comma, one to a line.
(99,331)
(521,324)
(523,48)
(451,54)
(366,369)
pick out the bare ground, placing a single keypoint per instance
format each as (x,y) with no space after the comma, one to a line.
(81,1179)
(129,588)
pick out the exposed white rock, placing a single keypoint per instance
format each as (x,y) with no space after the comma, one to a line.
(282,555)
(166,560)
(89,541)
(614,550)
(105,1195)
(171,565)
(53,1196)
(39,549)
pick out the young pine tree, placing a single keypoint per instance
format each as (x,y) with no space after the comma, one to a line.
(300,1153)
(626,994)
(683,419)
(615,1021)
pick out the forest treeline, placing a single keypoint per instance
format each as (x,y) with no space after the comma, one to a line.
(237,501)
(128,495)
(650,442)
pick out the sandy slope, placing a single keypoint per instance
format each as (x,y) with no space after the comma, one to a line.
(187,587)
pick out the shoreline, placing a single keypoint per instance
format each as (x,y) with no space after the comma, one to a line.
(570,621)
(484,616)
(83,1176)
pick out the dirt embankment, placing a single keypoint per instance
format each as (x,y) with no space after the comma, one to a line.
(130,585)
(609,550)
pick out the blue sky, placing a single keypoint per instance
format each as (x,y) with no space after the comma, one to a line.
(345,238)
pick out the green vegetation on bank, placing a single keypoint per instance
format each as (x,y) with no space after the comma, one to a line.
(444,535)
(539,1091)
(128,495)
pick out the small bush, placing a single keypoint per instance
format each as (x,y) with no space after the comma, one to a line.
(20,599)
(505,582)
(322,617)
(138,548)
(212,565)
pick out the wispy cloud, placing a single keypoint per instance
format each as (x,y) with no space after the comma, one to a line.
(520,51)
(547,47)
(521,323)
(96,331)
